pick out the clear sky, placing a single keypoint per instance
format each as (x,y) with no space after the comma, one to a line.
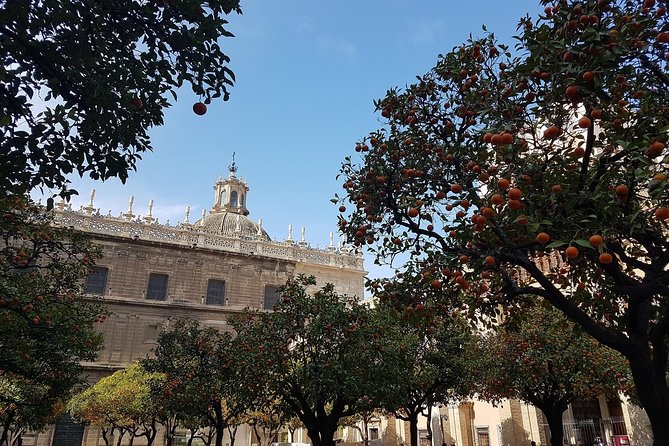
(307,73)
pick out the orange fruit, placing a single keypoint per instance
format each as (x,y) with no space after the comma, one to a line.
(622,190)
(413,212)
(503,183)
(662,213)
(464,259)
(584,122)
(571,252)
(556,189)
(543,237)
(596,240)
(506,138)
(497,199)
(605,258)
(489,260)
(456,188)
(552,132)
(515,194)
(655,149)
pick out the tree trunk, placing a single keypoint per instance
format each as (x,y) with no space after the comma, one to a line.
(232,431)
(554,418)
(653,393)
(219,425)
(106,439)
(321,435)
(413,429)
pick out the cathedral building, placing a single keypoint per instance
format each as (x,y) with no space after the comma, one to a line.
(152,274)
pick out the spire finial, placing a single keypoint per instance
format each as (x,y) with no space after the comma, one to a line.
(128,214)
(89,209)
(149,217)
(233,167)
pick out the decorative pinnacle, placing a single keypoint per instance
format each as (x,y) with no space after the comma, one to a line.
(233,167)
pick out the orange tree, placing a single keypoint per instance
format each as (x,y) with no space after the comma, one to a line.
(542,172)
(431,352)
(321,356)
(82,82)
(547,361)
(200,385)
(122,402)
(45,329)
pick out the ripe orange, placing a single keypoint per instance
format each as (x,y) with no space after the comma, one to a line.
(436,284)
(622,190)
(662,213)
(464,259)
(515,204)
(487,137)
(497,199)
(342,208)
(556,189)
(506,138)
(489,260)
(137,103)
(596,240)
(584,122)
(503,183)
(571,91)
(515,194)
(456,188)
(588,76)
(413,212)
(440,195)
(605,258)
(552,132)
(659,177)
(579,152)
(571,252)
(655,149)
(543,237)
(496,139)
(199,108)
(596,113)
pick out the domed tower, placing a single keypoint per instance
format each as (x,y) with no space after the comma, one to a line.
(230,194)
(228,215)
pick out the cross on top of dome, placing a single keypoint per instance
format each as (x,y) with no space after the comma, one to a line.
(232,167)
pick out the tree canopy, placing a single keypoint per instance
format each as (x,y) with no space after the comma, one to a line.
(538,171)
(45,329)
(82,82)
(547,361)
(200,389)
(120,404)
(318,354)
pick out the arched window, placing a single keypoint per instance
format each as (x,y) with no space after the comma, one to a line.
(221,199)
(241,200)
(233,198)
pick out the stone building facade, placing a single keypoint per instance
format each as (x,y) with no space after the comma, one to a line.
(153,274)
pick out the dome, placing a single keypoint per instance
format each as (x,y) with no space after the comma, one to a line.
(231,225)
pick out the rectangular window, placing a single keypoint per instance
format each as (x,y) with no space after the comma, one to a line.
(96,282)
(271,296)
(151,333)
(215,292)
(483,436)
(157,288)
(373,433)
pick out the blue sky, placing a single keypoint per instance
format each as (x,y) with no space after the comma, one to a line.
(307,73)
